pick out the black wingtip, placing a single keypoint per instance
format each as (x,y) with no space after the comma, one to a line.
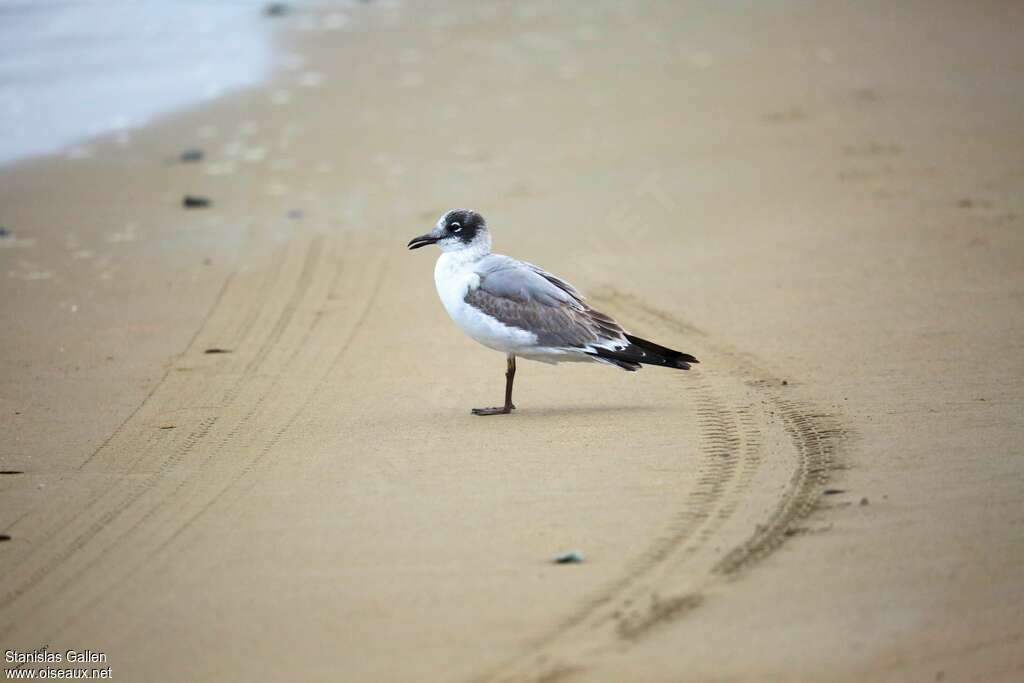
(613,358)
(656,354)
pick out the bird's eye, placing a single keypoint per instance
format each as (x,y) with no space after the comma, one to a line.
(455,227)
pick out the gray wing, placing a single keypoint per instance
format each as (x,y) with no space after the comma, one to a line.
(504,276)
(522,295)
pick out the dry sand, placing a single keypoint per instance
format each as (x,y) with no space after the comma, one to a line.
(823,204)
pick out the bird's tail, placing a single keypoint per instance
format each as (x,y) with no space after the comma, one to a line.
(643,352)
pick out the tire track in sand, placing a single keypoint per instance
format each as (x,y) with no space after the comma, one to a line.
(143,475)
(764,462)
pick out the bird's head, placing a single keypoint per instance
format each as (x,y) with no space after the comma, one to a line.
(457,230)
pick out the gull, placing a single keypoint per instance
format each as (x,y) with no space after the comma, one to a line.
(516,308)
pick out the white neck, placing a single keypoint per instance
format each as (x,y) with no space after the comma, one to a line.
(470,253)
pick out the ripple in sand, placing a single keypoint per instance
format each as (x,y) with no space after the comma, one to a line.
(311,79)
(128,234)
(30,271)
(221,168)
(11,242)
(254,155)
(335,21)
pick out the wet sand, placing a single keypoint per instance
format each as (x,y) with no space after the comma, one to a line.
(824,206)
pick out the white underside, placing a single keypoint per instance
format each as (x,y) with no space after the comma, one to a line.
(454,275)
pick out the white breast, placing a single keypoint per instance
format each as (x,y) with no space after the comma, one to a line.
(454,276)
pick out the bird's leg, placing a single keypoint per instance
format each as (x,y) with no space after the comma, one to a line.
(510,375)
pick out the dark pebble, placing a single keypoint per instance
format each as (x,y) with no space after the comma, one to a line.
(863,501)
(570,558)
(217,350)
(832,492)
(4,232)
(191,156)
(194,202)
(4,537)
(276,9)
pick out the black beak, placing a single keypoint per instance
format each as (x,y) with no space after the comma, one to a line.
(422,241)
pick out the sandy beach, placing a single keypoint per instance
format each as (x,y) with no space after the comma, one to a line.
(237,442)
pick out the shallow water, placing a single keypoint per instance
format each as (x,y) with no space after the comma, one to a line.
(72,69)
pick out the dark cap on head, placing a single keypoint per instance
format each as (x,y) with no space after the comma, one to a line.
(464,224)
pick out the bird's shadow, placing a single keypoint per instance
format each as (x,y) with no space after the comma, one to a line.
(562,411)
